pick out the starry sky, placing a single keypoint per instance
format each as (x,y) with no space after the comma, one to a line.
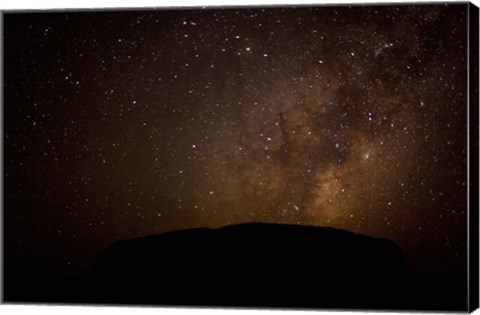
(123,124)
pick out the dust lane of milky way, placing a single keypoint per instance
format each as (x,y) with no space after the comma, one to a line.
(121,124)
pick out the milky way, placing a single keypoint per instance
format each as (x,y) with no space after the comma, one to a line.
(126,124)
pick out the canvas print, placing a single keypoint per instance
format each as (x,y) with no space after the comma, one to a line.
(313,157)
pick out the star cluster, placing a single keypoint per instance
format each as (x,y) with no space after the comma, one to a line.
(131,123)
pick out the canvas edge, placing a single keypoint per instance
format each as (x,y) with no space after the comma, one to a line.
(473,146)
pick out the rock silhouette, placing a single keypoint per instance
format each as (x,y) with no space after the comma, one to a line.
(257,265)
(249,265)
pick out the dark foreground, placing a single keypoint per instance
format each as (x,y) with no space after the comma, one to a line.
(251,265)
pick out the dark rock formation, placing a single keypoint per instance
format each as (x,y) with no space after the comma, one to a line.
(255,264)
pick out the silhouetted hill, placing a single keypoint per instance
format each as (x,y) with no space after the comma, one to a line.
(255,264)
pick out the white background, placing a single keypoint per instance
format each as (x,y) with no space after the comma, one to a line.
(77,4)
(49,4)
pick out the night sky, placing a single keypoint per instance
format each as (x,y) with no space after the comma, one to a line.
(132,123)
